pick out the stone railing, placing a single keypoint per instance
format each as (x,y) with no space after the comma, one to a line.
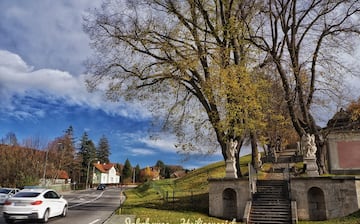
(294,216)
(246,217)
(252,179)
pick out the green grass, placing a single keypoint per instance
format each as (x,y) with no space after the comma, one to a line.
(186,200)
(177,200)
(351,219)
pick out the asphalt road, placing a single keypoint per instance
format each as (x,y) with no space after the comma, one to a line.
(86,207)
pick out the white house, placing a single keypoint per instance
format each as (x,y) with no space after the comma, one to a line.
(105,174)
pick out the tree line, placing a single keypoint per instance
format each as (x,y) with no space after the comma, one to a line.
(27,163)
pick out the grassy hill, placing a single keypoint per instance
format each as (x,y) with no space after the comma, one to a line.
(174,200)
(185,199)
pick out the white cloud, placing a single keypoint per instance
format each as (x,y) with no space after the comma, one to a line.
(19,79)
(11,62)
(141,152)
(165,144)
(47,34)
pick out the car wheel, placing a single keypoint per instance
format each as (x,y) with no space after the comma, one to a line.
(9,221)
(64,213)
(45,219)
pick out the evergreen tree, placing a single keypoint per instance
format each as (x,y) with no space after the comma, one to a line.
(69,133)
(167,172)
(103,150)
(127,170)
(87,152)
(137,173)
(72,165)
(161,165)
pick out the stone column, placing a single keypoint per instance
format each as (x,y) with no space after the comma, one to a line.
(311,167)
(230,169)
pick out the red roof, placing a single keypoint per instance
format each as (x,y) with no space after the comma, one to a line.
(104,168)
(63,174)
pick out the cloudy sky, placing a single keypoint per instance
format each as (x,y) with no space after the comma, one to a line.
(42,54)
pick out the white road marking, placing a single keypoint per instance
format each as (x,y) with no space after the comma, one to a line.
(85,202)
(95,221)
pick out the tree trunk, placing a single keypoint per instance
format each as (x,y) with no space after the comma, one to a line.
(321,155)
(254,151)
(237,157)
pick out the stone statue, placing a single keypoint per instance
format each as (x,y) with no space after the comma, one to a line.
(230,168)
(308,145)
(231,150)
(308,148)
(259,160)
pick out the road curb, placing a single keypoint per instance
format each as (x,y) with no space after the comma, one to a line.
(120,219)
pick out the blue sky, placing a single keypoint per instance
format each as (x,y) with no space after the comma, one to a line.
(42,54)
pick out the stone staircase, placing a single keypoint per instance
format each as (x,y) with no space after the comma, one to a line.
(286,156)
(286,160)
(271,203)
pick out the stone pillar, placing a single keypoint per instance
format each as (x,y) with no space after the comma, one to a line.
(230,169)
(311,167)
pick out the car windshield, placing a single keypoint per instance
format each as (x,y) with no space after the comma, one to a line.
(26,194)
(4,191)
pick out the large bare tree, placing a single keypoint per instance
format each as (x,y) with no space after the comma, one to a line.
(310,44)
(187,57)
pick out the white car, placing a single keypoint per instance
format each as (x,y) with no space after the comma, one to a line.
(6,193)
(34,204)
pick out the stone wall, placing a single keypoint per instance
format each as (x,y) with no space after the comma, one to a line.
(317,198)
(321,198)
(221,205)
(357,183)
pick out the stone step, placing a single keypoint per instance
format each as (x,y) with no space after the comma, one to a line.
(270,188)
(270,191)
(291,150)
(264,210)
(269,216)
(273,219)
(273,206)
(270,182)
(268,222)
(270,194)
(271,200)
(270,203)
(274,187)
(264,221)
(286,153)
(280,212)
